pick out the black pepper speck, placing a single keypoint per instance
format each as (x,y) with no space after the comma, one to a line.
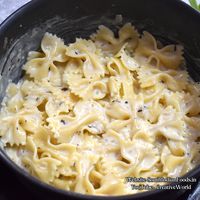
(63,121)
(64,89)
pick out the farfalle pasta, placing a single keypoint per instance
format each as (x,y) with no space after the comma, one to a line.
(89,114)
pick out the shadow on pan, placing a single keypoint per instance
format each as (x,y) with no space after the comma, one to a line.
(170,21)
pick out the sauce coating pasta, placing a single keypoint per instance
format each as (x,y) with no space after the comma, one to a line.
(89,114)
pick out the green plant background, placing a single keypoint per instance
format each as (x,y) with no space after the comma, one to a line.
(195,4)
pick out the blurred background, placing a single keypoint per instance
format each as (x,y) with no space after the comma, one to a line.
(9,6)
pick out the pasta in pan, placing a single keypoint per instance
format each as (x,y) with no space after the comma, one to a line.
(87,115)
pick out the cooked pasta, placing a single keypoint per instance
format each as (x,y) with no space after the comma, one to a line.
(89,114)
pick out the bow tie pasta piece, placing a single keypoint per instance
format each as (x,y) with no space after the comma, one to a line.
(54,107)
(84,108)
(40,68)
(45,168)
(128,34)
(66,133)
(16,154)
(99,89)
(116,68)
(145,136)
(121,91)
(44,67)
(87,88)
(140,124)
(141,154)
(148,106)
(169,56)
(73,66)
(56,123)
(15,98)
(173,165)
(174,100)
(84,168)
(35,54)
(86,118)
(86,50)
(13,127)
(127,59)
(119,168)
(114,87)
(150,112)
(171,130)
(151,93)
(42,139)
(31,88)
(78,85)
(148,78)
(194,124)
(95,127)
(30,120)
(11,132)
(173,80)
(105,39)
(119,110)
(116,186)
(46,98)
(170,125)
(121,81)
(193,88)
(111,140)
(178,148)
(53,156)
(191,106)
(97,184)
(54,48)
(81,48)
(122,128)
(182,102)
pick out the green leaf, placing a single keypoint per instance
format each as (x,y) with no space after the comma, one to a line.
(194,4)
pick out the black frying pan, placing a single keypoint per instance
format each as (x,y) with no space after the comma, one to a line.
(168,20)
